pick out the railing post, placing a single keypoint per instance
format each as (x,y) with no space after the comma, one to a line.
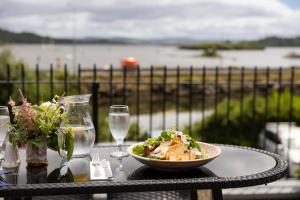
(95,73)
(190,99)
(203,93)
(228,95)
(278,102)
(151,100)
(23,79)
(242,93)
(95,87)
(79,79)
(254,103)
(9,83)
(110,91)
(124,84)
(266,116)
(292,82)
(138,76)
(51,80)
(110,85)
(37,74)
(65,79)
(164,97)
(216,92)
(177,95)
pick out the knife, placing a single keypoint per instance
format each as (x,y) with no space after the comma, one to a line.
(106,166)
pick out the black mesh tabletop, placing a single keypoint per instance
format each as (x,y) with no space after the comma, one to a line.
(235,167)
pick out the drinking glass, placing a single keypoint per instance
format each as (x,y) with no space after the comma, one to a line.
(118,125)
(4,125)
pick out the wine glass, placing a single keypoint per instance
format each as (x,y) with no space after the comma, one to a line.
(4,125)
(118,125)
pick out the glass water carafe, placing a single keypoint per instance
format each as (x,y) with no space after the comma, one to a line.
(80,121)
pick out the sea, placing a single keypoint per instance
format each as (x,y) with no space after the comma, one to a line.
(157,55)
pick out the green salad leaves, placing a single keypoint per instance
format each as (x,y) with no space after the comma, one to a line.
(138,150)
(169,135)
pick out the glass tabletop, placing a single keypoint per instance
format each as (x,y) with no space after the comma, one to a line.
(233,162)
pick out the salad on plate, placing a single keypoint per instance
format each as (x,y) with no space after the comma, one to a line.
(170,145)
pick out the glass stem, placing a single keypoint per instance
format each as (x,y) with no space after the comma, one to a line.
(120,164)
(120,147)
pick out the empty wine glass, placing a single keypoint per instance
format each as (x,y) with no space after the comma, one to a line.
(118,125)
(4,125)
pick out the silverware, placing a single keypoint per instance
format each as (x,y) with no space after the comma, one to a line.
(106,166)
(96,164)
(100,168)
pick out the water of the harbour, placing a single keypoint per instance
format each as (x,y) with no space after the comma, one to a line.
(104,55)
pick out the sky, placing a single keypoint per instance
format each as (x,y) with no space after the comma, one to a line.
(153,19)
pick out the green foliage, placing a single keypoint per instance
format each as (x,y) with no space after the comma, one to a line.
(48,117)
(133,132)
(103,128)
(6,58)
(40,124)
(105,132)
(224,46)
(210,52)
(244,130)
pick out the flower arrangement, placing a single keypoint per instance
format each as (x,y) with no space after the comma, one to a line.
(38,126)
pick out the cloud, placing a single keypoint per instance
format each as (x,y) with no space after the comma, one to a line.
(205,19)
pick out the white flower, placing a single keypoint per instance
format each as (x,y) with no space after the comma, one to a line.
(48,105)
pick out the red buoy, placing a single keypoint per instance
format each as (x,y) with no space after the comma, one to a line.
(129,63)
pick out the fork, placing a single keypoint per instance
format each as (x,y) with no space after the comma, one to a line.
(96,164)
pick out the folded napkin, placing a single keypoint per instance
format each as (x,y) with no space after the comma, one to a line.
(100,170)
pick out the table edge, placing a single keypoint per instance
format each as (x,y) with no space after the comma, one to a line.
(277,172)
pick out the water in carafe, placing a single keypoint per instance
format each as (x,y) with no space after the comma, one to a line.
(81,124)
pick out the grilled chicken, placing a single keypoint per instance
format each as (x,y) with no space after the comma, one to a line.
(180,152)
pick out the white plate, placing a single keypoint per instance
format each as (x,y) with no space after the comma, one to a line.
(212,152)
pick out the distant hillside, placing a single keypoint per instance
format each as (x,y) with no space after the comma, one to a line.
(280,42)
(242,45)
(11,37)
(186,43)
(25,37)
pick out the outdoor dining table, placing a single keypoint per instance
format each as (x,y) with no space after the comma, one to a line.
(236,167)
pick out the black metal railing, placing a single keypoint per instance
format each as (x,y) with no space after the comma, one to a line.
(149,90)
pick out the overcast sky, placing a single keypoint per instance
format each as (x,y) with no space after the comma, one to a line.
(147,19)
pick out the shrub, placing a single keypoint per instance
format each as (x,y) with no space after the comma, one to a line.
(6,58)
(210,52)
(244,129)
